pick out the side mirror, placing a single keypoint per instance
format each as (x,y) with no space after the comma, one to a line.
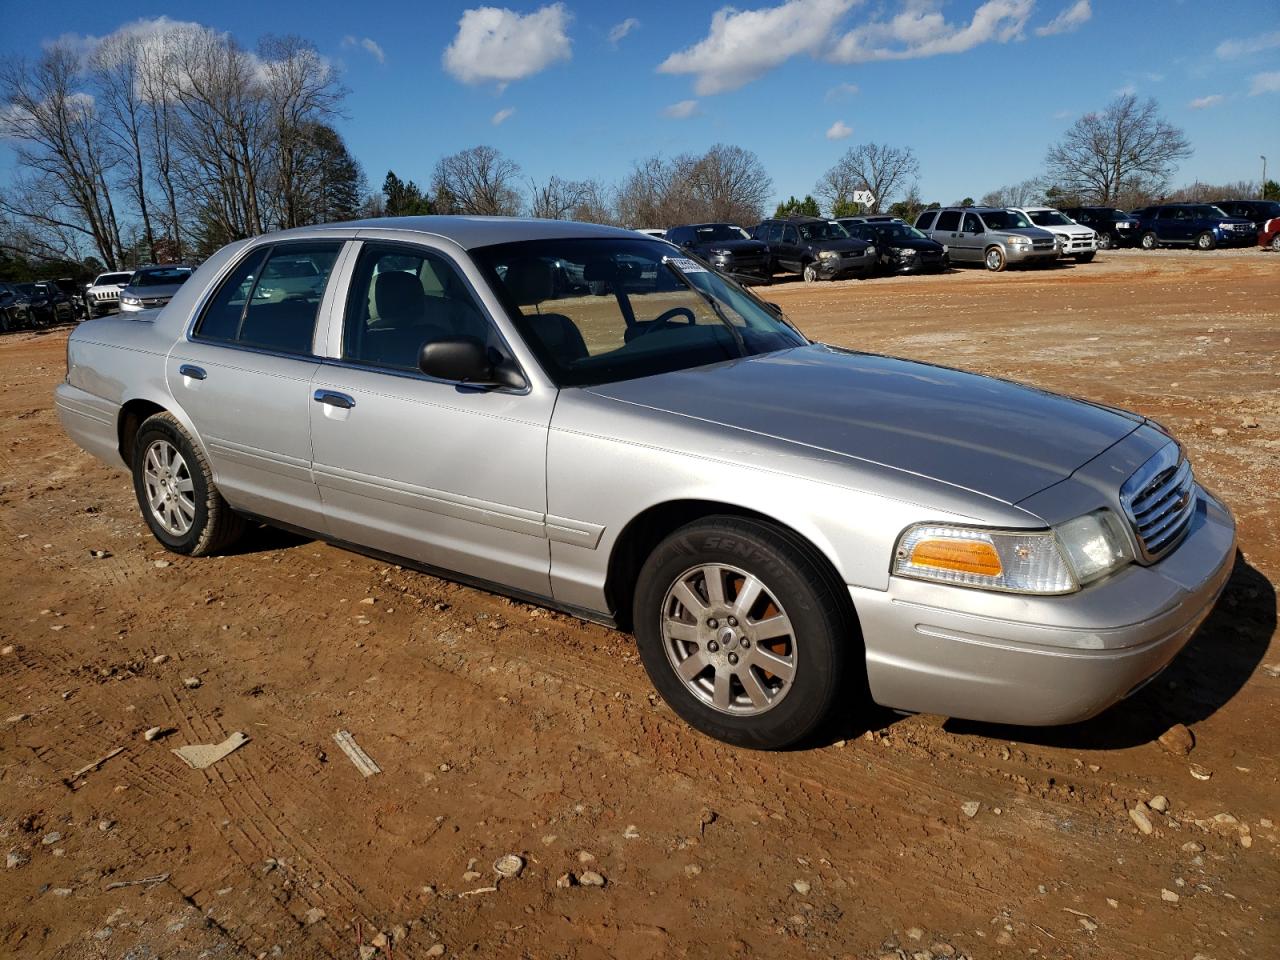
(465,360)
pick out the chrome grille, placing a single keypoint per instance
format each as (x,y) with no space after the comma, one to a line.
(1159,500)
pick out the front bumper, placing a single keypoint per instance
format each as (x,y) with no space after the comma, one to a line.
(836,268)
(1075,246)
(1017,254)
(1040,661)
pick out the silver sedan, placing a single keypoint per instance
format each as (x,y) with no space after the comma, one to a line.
(590,419)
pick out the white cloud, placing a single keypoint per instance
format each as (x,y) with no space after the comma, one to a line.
(368,44)
(498,45)
(841,90)
(921,30)
(1069,19)
(1235,49)
(1203,103)
(682,110)
(503,115)
(839,130)
(1265,83)
(620,30)
(743,45)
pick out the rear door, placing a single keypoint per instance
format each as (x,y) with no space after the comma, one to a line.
(947,230)
(243,376)
(791,257)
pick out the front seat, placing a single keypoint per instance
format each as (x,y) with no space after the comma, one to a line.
(530,282)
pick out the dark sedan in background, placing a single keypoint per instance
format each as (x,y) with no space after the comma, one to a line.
(1114,228)
(152,287)
(900,247)
(725,246)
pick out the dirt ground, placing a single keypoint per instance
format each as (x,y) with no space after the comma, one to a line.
(501,728)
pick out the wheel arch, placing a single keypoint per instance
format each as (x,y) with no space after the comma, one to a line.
(135,411)
(655,523)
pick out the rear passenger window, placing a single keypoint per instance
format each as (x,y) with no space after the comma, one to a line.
(972,224)
(270,300)
(948,220)
(775,233)
(401,298)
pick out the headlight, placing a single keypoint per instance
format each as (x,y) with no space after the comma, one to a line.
(828,255)
(903,252)
(1020,241)
(132,300)
(1054,561)
(871,250)
(1225,226)
(945,248)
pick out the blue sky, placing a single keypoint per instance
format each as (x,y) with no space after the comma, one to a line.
(977,89)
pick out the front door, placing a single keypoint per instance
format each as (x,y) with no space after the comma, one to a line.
(244,377)
(448,475)
(970,239)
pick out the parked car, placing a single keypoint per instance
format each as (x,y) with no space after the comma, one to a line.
(15,308)
(152,287)
(1265,215)
(1114,228)
(655,232)
(1201,225)
(726,246)
(49,305)
(1075,241)
(814,248)
(788,528)
(103,295)
(900,247)
(994,236)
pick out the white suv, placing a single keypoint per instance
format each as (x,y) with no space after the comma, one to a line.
(103,295)
(1073,239)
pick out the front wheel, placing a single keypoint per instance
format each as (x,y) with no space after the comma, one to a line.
(1105,242)
(742,632)
(1150,241)
(1275,243)
(1206,241)
(1084,258)
(810,273)
(995,259)
(174,486)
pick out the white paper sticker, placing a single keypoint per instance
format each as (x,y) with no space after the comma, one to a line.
(685,265)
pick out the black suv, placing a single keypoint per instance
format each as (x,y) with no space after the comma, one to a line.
(816,249)
(15,309)
(1258,211)
(900,247)
(726,247)
(1201,225)
(1114,228)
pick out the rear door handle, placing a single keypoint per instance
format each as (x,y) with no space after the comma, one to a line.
(335,399)
(195,373)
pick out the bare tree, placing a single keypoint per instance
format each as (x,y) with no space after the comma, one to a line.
(650,195)
(1022,194)
(1127,148)
(560,199)
(729,184)
(62,148)
(880,168)
(478,181)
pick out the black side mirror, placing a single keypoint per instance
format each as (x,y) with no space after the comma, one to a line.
(465,360)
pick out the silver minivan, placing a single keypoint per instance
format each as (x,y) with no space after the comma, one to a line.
(992,236)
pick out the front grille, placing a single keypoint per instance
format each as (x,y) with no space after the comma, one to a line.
(1043,244)
(1159,500)
(106,295)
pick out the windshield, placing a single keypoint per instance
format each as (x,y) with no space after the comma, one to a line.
(898,231)
(603,310)
(165,277)
(823,230)
(1050,218)
(1118,215)
(107,279)
(1005,220)
(720,231)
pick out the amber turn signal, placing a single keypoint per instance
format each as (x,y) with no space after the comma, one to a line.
(967,556)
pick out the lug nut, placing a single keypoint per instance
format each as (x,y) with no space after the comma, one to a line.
(733,621)
(745,643)
(713,646)
(713,623)
(733,659)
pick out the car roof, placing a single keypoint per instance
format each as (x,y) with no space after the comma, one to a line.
(467,232)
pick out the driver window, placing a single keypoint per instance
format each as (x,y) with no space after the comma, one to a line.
(402,297)
(789,235)
(972,224)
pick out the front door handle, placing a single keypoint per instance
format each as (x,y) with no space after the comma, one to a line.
(194,372)
(335,399)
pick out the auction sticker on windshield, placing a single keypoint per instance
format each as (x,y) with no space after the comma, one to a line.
(685,265)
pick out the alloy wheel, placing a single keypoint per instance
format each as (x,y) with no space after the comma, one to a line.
(170,490)
(728,639)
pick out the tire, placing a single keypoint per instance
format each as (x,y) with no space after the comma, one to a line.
(1085,258)
(1149,241)
(809,273)
(1275,243)
(1206,241)
(1105,242)
(995,259)
(195,520)
(815,640)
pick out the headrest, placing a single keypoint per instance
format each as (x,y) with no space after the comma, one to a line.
(397,293)
(529,281)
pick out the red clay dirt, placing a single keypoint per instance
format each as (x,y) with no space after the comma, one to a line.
(501,728)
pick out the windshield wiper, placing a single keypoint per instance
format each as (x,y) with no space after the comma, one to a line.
(711,302)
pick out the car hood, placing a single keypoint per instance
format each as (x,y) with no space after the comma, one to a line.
(839,245)
(1035,233)
(910,243)
(150,293)
(993,437)
(733,246)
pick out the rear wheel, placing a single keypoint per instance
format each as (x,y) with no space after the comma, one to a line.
(175,490)
(1206,241)
(742,633)
(1275,243)
(1150,241)
(995,259)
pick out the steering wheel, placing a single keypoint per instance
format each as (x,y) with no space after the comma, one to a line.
(665,320)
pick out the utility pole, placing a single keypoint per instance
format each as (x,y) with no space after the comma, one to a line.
(1262,191)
